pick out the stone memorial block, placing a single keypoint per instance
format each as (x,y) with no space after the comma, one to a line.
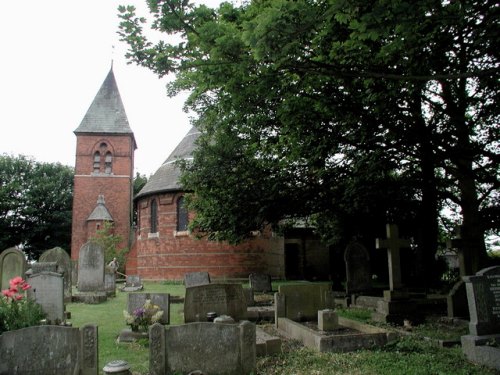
(196,279)
(483,295)
(39,267)
(137,300)
(91,268)
(133,283)
(223,349)
(110,282)
(47,289)
(301,302)
(64,266)
(260,282)
(357,262)
(49,350)
(12,264)
(223,299)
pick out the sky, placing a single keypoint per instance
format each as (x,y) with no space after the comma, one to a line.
(55,54)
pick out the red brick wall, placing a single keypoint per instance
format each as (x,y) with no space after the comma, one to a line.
(116,187)
(168,255)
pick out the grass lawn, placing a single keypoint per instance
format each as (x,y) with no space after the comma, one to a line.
(410,355)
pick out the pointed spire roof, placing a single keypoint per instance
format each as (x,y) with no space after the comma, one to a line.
(166,178)
(100,211)
(106,114)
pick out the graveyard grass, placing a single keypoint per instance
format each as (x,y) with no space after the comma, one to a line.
(409,355)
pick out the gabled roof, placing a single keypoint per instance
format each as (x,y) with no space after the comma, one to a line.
(100,211)
(106,114)
(166,178)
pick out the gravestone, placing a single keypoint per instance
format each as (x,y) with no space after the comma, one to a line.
(110,282)
(457,305)
(223,299)
(39,267)
(357,262)
(12,264)
(301,302)
(91,268)
(196,279)
(47,289)
(260,282)
(133,283)
(49,350)
(210,348)
(64,266)
(482,345)
(162,300)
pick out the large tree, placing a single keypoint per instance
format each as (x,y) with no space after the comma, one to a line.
(336,110)
(35,204)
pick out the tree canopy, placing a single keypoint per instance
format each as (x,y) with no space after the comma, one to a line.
(338,111)
(35,204)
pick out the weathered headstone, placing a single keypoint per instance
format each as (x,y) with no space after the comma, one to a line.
(12,264)
(47,289)
(133,283)
(49,350)
(64,266)
(110,282)
(223,299)
(457,305)
(482,345)
(91,268)
(39,267)
(357,262)
(223,349)
(162,300)
(260,282)
(196,279)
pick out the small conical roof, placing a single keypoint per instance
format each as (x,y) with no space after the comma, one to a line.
(166,178)
(100,211)
(106,114)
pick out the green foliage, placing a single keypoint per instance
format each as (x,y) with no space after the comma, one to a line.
(359,314)
(35,204)
(110,242)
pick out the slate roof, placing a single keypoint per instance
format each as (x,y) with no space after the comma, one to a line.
(106,114)
(100,211)
(166,178)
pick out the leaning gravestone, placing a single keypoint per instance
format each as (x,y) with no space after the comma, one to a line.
(49,350)
(196,279)
(91,268)
(222,299)
(260,282)
(47,289)
(162,300)
(203,348)
(64,266)
(482,345)
(357,262)
(12,264)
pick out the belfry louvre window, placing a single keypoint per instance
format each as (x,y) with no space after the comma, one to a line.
(182,215)
(154,216)
(97,162)
(108,163)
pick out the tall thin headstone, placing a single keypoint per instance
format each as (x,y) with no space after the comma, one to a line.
(91,268)
(12,263)
(357,262)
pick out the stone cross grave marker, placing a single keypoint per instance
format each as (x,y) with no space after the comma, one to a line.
(64,266)
(260,282)
(357,262)
(223,299)
(162,300)
(12,264)
(483,295)
(393,244)
(47,289)
(458,243)
(196,278)
(91,268)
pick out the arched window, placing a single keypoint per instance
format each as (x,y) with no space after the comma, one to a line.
(97,162)
(182,215)
(154,216)
(108,163)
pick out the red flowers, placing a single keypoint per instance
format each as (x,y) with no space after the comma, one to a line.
(16,285)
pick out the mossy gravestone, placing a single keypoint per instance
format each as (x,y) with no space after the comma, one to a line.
(12,264)
(91,268)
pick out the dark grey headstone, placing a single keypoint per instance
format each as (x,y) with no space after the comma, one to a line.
(12,264)
(47,289)
(196,279)
(260,282)
(457,305)
(302,301)
(223,299)
(357,261)
(162,300)
(91,268)
(224,349)
(64,266)
(483,295)
(49,350)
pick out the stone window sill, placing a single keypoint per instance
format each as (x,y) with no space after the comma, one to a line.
(154,235)
(182,233)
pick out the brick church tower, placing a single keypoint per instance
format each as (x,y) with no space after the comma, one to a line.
(104,168)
